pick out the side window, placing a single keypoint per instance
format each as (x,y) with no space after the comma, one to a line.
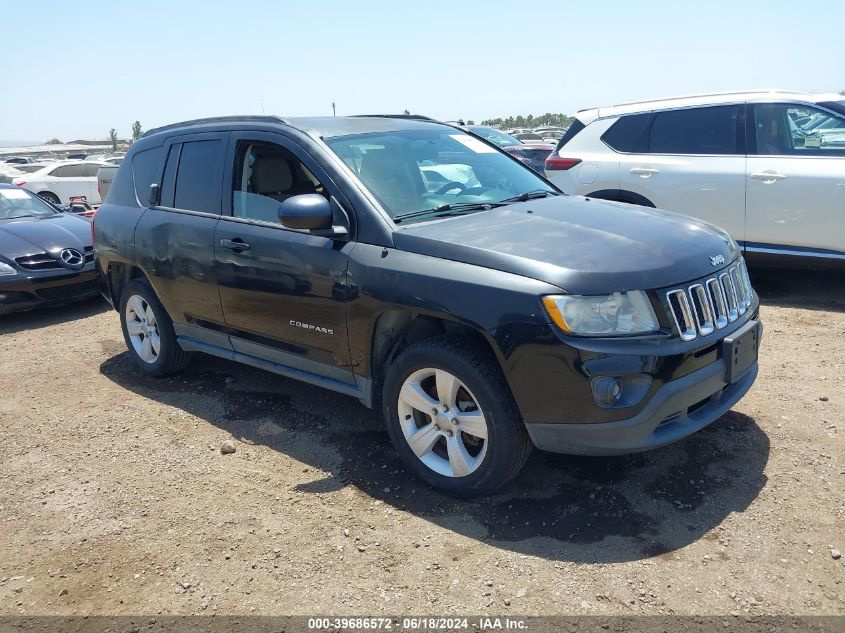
(266,175)
(711,130)
(628,133)
(797,130)
(70,171)
(144,174)
(91,170)
(197,176)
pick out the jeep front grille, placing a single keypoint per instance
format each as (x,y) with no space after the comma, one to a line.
(709,305)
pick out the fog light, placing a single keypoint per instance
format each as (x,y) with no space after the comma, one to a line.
(615,392)
(608,391)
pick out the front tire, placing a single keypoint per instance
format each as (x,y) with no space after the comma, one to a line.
(148,331)
(452,418)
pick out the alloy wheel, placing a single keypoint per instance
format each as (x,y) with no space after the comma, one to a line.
(442,422)
(142,328)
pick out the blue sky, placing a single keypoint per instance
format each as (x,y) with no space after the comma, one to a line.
(76,69)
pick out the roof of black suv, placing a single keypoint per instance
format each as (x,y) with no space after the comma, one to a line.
(320,126)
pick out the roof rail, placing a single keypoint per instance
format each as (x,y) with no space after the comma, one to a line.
(252,118)
(695,96)
(417,117)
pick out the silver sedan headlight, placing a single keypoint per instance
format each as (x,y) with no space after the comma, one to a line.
(616,314)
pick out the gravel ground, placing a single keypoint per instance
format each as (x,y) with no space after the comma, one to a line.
(115,497)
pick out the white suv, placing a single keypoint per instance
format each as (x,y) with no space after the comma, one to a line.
(769,167)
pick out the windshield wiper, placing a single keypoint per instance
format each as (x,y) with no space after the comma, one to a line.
(529,195)
(445,209)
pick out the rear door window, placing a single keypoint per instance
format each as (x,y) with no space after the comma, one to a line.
(711,130)
(70,171)
(197,183)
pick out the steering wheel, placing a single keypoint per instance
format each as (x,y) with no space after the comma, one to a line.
(449,186)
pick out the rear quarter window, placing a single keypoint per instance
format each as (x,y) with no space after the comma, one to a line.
(145,171)
(628,133)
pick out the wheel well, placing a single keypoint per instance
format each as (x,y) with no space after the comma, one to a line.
(49,193)
(119,275)
(622,195)
(396,330)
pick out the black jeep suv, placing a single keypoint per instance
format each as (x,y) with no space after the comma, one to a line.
(416,267)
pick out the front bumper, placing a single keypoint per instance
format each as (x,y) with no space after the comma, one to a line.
(677,409)
(20,293)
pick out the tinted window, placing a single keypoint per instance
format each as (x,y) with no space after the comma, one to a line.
(576,127)
(144,173)
(797,130)
(628,133)
(265,176)
(196,179)
(695,131)
(90,170)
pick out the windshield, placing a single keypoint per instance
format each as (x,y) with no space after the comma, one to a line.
(497,137)
(415,170)
(20,203)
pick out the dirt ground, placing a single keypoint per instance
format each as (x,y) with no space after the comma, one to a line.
(116,499)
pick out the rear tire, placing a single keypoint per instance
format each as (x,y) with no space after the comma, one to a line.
(452,418)
(50,197)
(148,331)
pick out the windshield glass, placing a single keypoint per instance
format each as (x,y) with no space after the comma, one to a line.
(415,170)
(497,137)
(20,203)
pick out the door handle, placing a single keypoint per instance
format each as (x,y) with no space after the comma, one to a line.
(644,172)
(768,176)
(236,244)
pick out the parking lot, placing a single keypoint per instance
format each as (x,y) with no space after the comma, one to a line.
(116,497)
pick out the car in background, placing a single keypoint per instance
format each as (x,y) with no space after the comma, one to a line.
(533,155)
(59,182)
(105,175)
(9,171)
(767,166)
(19,160)
(46,257)
(528,137)
(28,168)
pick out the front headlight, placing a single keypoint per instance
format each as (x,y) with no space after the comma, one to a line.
(607,315)
(5,269)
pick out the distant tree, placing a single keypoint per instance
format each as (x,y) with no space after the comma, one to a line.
(470,122)
(559,120)
(842,92)
(136,130)
(406,112)
(113,139)
(53,141)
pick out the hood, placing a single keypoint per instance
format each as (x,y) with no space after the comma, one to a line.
(584,246)
(49,235)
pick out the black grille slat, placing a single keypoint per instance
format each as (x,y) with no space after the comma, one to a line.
(39,261)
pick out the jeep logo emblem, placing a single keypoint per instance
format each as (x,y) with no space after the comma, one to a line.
(715,260)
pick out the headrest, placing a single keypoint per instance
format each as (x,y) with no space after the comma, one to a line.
(271,174)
